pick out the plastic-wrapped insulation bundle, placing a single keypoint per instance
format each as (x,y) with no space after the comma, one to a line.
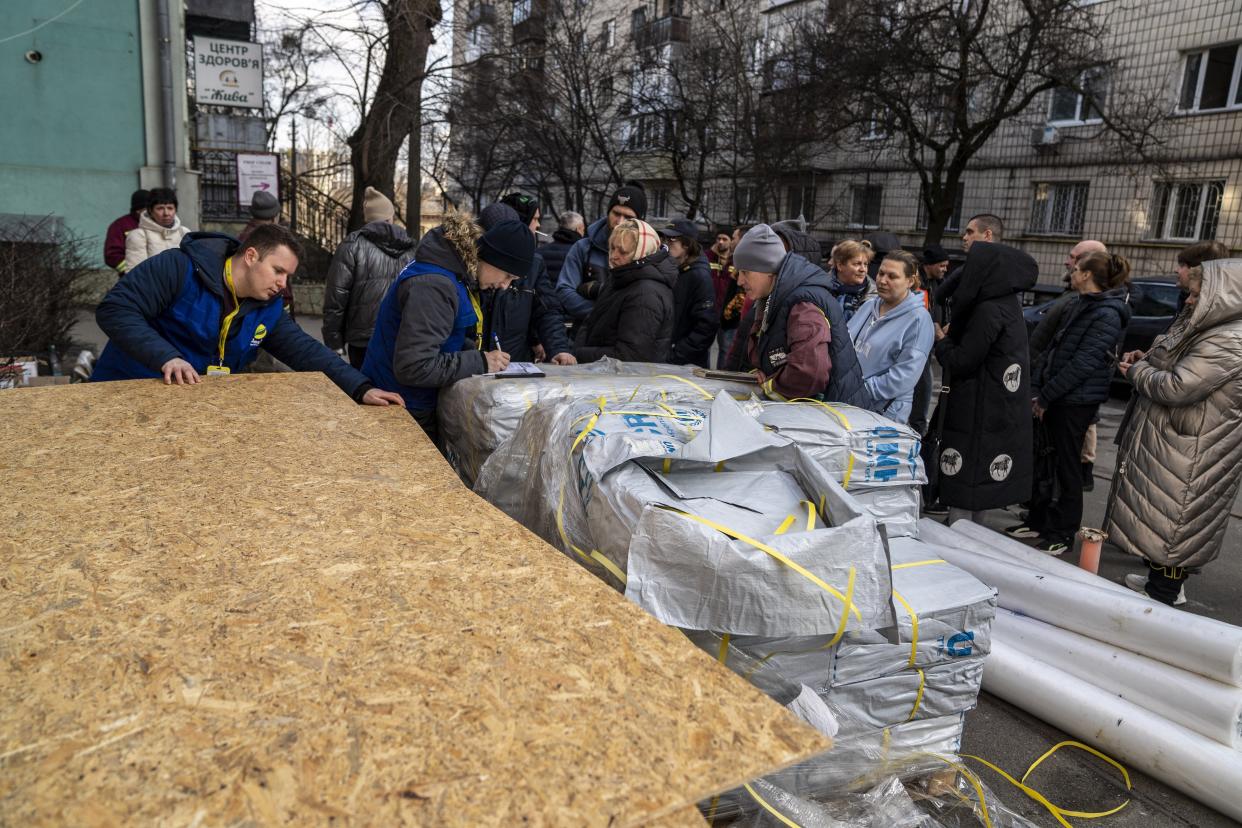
(478,413)
(873,458)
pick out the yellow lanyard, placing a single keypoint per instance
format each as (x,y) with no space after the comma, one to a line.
(478,315)
(228,320)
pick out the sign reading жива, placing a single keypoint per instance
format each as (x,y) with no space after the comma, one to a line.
(228,72)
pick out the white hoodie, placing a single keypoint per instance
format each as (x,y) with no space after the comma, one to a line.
(150,238)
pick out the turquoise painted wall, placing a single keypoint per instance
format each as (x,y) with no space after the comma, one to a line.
(71,139)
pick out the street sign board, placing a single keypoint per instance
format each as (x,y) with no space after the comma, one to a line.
(256,171)
(228,72)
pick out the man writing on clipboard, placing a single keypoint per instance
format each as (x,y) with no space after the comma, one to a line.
(430,329)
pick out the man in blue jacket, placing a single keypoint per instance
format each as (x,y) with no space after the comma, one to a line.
(586,265)
(207,308)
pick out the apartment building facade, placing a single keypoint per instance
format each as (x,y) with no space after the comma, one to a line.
(1050,173)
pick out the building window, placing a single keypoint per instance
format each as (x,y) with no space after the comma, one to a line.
(865,205)
(955,220)
(1058,208)
(1068,107)
(521,11)
(1210,80)
(659,203)
(747,204)
(1185,210)
(610,34)
(800,199)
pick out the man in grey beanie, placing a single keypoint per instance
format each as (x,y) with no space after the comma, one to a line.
(795,338)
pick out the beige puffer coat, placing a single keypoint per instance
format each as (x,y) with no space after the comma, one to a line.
(1181,454)
(151,238)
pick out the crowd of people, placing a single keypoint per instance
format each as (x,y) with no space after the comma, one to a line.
(866,325)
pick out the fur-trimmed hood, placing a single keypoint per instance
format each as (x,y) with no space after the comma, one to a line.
(454,246)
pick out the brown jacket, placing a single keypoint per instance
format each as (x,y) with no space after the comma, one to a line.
(1181,454)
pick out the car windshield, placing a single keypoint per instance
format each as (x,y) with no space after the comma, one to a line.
(1153,299)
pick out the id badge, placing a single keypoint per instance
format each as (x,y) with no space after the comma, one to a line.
(217,370)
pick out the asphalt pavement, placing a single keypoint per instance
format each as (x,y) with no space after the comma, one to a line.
(1011,738)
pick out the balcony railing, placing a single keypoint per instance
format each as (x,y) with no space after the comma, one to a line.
(669,29)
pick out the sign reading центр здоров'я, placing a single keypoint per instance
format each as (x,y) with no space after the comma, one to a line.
(228,72)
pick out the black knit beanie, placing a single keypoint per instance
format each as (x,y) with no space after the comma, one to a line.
(630,196)
(509,246)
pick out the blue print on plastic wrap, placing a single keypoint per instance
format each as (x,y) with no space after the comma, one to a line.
(958,645)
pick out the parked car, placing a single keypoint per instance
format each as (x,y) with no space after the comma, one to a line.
(1153,301)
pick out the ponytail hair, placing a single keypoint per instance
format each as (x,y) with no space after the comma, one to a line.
(909,264)
(1107,270)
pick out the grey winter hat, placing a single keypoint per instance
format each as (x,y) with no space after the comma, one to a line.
(760,250)
(264,205)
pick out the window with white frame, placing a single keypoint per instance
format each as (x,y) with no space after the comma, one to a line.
(865,205)
(1185,210)
(1210,79)
(610,34)
(1068,106)
(521,11)
(1058,207)
(659,203)
(955,220)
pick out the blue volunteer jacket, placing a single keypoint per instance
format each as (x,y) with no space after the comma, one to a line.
(173,305)
(382,350)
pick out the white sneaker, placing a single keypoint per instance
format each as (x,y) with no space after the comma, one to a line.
(1138,583)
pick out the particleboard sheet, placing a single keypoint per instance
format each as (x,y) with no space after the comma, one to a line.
(252,601)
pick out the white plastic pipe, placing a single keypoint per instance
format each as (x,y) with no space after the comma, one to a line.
(988,543)
(1195,765)
(1205,706)
(1201,645)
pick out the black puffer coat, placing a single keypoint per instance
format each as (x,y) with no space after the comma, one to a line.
(985,448)
(633,318)
(365,265)
(555,251)
(694,315)
(798,242)
(1077,367)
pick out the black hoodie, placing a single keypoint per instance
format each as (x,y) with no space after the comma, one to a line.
(633,318)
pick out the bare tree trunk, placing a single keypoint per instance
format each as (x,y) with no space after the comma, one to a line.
(414,178)
(376,143)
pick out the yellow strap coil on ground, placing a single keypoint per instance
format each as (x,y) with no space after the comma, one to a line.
(1059,813)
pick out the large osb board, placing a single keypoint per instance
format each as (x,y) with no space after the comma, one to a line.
(253,601)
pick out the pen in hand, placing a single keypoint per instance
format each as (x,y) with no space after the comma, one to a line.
(496,360)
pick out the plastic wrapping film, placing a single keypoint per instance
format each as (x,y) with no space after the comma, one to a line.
(932,790)
(478,413)
(648,494)
(874,458)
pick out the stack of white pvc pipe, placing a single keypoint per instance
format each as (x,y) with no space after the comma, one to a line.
(1153,686)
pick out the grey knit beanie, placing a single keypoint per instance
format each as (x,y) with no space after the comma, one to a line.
(760,250)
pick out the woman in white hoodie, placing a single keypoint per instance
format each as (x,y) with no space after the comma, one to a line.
(893,336)
(158,229)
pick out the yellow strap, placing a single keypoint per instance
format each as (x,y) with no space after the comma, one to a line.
(478,315)
(914,632)
(971,778)
(918,700)
(784,819)
(829,408)
(785,524)
(847,599)
(668,465)
(913,564)
(1058,812)
(810,516)
(719,466)
(228,320)
(693,385)
(723,655)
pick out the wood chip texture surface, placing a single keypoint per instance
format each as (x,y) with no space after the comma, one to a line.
(252,602)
